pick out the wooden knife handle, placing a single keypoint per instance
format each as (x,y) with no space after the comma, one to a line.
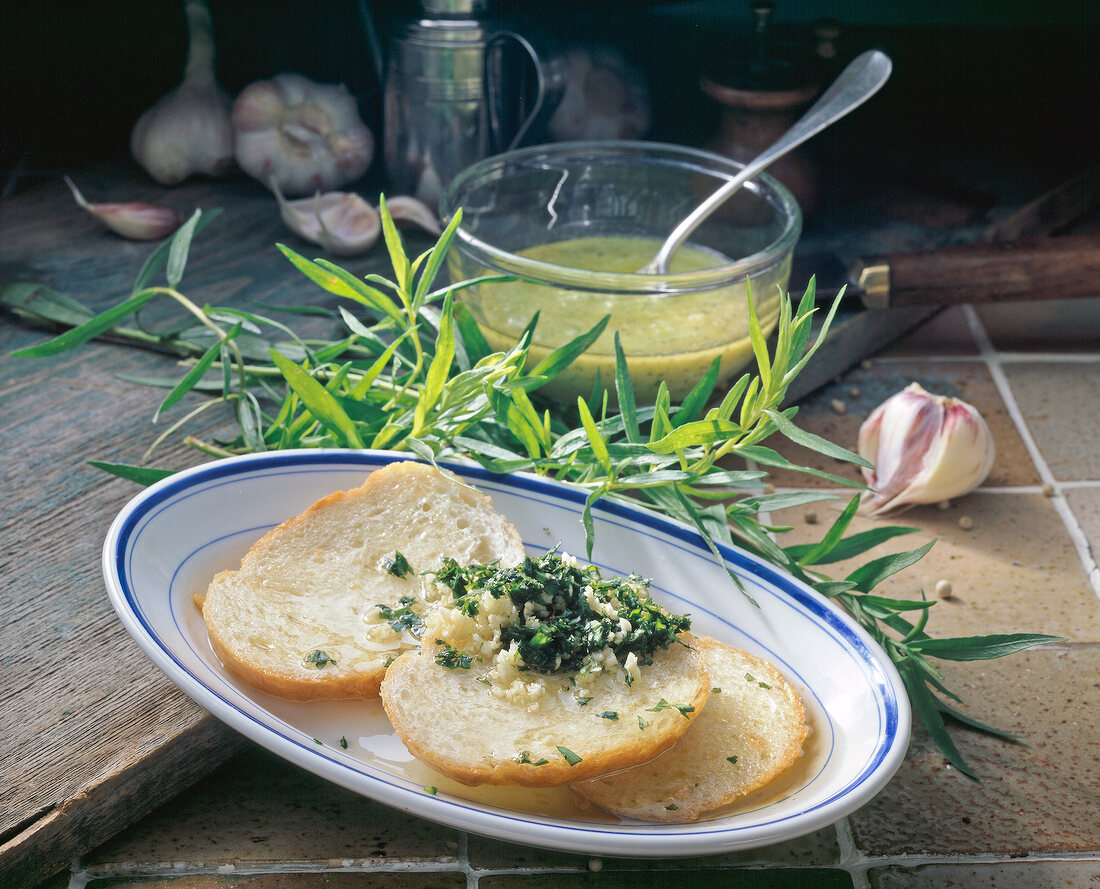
(1066,267)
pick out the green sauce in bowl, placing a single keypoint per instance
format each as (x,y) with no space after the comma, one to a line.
(665,336)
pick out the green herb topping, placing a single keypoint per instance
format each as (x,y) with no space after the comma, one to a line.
(568,612)
(569,755)
(397,565)
(450,657)
(610,714)
(319,659)
(732,759)
(343,742)
(665,705)
(403,618)
(525,759)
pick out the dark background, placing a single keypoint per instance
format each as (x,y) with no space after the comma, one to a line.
(1011,77)
(987,99)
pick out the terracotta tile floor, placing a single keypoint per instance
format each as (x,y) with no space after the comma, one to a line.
(1020,555)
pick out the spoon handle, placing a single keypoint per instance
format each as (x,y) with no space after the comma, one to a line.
(856,84)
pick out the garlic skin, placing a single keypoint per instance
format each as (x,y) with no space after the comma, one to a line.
(307,137)
(925,449)
(133,220)
(341,222)
(188,131)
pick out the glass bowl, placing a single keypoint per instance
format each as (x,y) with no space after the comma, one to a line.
(577,220)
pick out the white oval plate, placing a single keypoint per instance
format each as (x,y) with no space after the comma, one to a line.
(168,542)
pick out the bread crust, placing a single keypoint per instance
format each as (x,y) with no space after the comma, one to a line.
(315,582)
(750,733)
(450,720)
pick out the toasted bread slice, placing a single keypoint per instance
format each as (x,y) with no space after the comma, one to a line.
(751,731)
(301,618)
(550,734)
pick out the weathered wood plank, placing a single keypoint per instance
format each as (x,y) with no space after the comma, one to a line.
(92,736)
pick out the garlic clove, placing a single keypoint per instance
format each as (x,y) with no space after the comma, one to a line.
(306,136)
(404,208)
(341,222)
(136,221)
(925,448)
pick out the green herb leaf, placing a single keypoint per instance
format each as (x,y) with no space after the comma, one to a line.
(868,576)
(179,248)
(319,659)
(569,756)
(143,475)
(318,401)
(979,648)
(814,442)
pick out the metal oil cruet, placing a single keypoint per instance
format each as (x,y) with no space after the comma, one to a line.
(458,88)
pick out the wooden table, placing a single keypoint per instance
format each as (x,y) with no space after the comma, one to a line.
(92,735)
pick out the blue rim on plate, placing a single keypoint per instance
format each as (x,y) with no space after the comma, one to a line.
(176,533)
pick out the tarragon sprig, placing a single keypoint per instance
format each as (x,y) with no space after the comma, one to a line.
(412,372)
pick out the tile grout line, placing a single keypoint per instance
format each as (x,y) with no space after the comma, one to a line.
(1000,380)
(851,859)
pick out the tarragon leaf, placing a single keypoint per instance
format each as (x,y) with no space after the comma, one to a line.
(143,475)
(979,648)
(318,401)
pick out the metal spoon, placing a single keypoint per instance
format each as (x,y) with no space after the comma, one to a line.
(856,84)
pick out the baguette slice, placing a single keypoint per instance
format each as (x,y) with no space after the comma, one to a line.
(757,718)
(449,719)
(313,584)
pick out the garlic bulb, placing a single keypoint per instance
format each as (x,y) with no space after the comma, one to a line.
(925,448)
(343,223)
(604,97)
(305,136)
(188,131)
(136,221)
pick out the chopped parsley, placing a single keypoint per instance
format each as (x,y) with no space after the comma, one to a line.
(450,657)
(609,714)
(558,627)
(732,759)
(525,759)
(665,705)
(752,678)
(431,790)
(343,742)
(672,807)
(397,565)
(403,618)
(319,659)
(569,756)
(643,723)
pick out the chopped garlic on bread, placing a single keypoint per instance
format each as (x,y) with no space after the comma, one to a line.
(324,602)
(751,731)
(544,674)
